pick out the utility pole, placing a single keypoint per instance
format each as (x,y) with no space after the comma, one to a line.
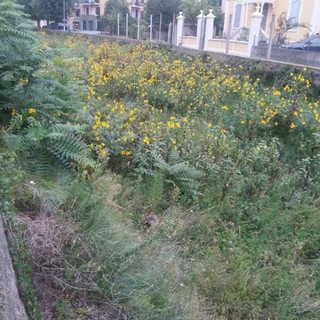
(64,15)
(150,27)
(160,27)
(118,22)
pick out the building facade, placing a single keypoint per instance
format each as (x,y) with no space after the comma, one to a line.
(238,16)
(136,8)
(87,13)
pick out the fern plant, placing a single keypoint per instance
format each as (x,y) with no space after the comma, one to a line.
(44,149)
(38,109)
(175,171)
(20,55)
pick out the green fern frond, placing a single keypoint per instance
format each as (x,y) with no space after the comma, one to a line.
(67,145)
(176,172)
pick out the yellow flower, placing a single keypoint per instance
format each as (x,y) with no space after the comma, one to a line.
(224,108)
(126,153)
(292,125)
(243,122)
(146,140)
(31,110)
(276,93)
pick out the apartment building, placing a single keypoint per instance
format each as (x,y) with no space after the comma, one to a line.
(136,8)
(87,13)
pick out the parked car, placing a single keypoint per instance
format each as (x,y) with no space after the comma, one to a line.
(308,44)
(54,25)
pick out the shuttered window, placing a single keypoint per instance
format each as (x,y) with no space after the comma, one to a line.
(237,16)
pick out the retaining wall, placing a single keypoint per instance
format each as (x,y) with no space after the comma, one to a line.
(11,307)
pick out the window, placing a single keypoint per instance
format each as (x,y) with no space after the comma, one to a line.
(98,13)
(295,11)
(78,13)
(90,25)
(237,16)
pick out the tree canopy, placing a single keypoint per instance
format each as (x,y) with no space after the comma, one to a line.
(191,9)
(110,17)
(47,9)
(166,7)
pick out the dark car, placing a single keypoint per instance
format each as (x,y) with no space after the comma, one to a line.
(54,25)
(308,44)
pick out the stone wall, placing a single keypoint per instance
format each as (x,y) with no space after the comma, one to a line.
(11,307)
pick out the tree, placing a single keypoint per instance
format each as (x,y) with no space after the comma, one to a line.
(191,10)
(35,8)
(166,7)
(47,9)
(113,8)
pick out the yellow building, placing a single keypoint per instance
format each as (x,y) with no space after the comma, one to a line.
(238,16)
(136,8)
(87,13)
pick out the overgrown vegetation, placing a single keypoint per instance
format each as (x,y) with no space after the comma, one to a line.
(152,186)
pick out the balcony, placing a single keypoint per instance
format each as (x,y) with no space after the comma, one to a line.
(87,3)
(137,4)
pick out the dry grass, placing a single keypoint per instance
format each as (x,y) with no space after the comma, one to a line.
(63,290)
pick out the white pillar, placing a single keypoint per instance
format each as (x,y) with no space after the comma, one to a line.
(209,27)
(200,29)
(255,25)
(180,20)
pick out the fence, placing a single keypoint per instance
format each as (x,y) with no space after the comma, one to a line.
(152,29)
(201,37)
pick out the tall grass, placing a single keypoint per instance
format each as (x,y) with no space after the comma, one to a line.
(226,165)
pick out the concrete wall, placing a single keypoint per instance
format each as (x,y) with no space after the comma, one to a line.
(189,42)
(11,307)
(296,57)
(287,56)
(220,45)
